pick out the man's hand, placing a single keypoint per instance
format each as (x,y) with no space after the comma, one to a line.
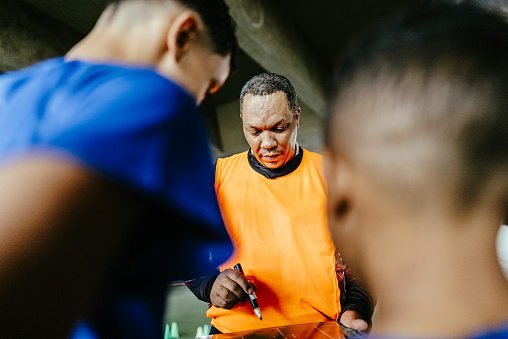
(353,320)
(229,289)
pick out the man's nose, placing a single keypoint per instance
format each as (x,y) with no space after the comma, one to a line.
(268,141)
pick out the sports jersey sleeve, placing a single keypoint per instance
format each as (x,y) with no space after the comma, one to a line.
(146,134)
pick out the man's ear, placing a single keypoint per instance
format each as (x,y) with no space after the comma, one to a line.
(298,117)
(340,181)
(182,33)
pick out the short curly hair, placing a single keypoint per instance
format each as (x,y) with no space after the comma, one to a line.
(268,83)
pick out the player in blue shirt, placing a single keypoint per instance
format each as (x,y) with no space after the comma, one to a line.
(105,174)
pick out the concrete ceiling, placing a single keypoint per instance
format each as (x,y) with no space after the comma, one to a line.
(297,38)
(328,25)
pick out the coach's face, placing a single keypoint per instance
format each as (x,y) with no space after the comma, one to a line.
(270,128)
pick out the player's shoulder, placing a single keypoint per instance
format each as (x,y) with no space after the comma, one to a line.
(138,82)
(129,91)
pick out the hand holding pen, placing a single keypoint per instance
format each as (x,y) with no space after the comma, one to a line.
(229,288)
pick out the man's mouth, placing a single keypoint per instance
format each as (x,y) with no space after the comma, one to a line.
(271,156)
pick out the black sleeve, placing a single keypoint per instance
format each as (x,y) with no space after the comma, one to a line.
(202,287)
(357,298)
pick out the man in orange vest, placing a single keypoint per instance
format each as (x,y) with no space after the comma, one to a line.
(273,200)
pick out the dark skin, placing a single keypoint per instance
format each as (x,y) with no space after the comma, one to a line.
(229,289)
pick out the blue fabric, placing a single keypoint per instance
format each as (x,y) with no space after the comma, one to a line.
(493,333)
(140,131)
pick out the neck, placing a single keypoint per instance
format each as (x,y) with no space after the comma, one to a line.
(275,173)
(453,287)
(110,40)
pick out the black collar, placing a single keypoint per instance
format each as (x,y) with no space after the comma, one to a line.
(275,173)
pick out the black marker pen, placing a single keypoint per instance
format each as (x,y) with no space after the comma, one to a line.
(252,297)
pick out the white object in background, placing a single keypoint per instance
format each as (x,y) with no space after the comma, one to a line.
(502,248)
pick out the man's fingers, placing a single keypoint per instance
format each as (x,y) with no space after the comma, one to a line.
(229,289)
(353,320)
(228,306)
(252,283)
(224,299)
(240,279)
(359,324)
(225,295)
(234,289)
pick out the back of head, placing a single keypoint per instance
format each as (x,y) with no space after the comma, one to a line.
(268,83)
(216,18)
(494,6)
(422,105)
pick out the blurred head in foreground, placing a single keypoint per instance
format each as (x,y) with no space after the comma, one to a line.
(416,159)
(191,42)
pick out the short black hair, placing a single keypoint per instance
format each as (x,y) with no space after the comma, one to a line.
(436,79)
(268,83)
(216,18)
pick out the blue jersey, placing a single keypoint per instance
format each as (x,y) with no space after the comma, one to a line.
(500,332)
(139,131)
